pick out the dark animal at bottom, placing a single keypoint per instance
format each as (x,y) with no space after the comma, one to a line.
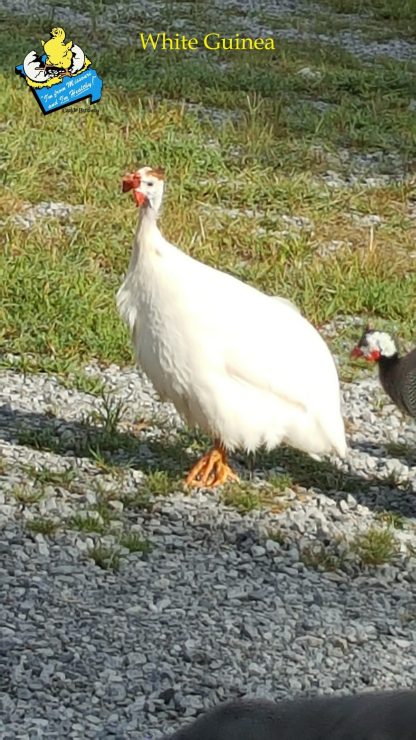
(389,715)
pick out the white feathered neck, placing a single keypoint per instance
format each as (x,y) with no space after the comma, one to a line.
(141,277)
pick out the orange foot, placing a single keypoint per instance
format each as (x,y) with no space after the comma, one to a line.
(211,470)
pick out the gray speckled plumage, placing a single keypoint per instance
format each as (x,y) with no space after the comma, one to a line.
(398,378)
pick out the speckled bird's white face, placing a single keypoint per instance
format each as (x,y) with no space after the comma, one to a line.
(151,183)
(147,186)
(378,343)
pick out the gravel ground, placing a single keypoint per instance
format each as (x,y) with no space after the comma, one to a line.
(225,604)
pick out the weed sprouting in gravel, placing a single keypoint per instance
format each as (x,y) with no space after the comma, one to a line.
(160,483)
(26,494)
(84,383)
(88,522)
(138,500)
(246,497)
(319,557)
(278,535)
(102,459)
(402,450)
(391,519)
(42,525)
(103,509)
(45,476)
(134,543)
(241,498)
(280,483)
(107,558)
(408,617)
(307,473)
(108,414)
(376,546)
(40,439)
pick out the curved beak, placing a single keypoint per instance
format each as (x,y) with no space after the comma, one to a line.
(356,352)
(130,181)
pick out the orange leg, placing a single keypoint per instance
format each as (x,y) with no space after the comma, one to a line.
(211,470)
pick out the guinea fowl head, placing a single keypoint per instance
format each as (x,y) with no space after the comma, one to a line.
(374,345)
(147,186)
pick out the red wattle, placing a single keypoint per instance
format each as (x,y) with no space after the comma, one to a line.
(139,198)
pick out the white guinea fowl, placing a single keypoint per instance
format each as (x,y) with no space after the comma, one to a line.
(246,368)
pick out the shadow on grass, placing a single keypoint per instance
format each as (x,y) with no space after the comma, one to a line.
(84,439)
(378,493)
(176,453)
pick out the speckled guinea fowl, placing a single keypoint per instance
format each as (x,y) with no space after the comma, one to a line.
(397,374)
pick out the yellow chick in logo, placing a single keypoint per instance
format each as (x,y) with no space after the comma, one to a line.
(58,53)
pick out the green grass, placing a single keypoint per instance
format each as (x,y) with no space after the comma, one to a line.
(103,508)
(318,557)
(58,300)
(98,518)
(280,483)
(42,525)
(107,558)
(402,450)
(301,470)
(140,500)
(103,435)
(102,459)
(45,476)
(134,543)
(87,522)
(391,519)
(40,439)
(97,436)
(376,546)
(242,498)
(108,415)
(245,498)
(277,535)
(85,383)
(27,495)
(160,483)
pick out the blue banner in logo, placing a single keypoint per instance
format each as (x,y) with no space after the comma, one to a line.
(71,90)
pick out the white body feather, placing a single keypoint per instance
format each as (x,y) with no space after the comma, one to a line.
(245,367)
